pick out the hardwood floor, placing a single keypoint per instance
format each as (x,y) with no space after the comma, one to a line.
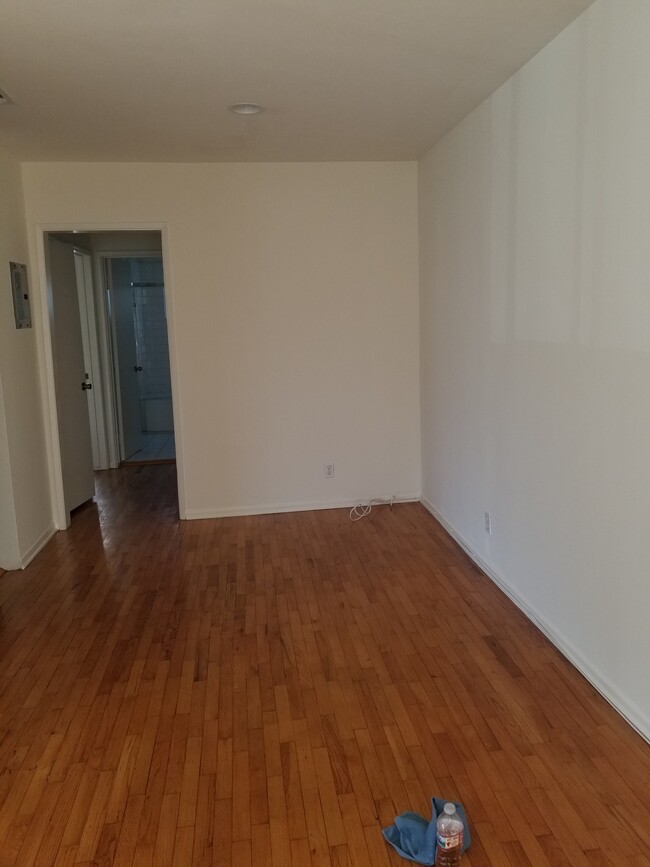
(273,690)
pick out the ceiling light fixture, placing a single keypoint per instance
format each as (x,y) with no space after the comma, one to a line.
(246,108)
(4,98)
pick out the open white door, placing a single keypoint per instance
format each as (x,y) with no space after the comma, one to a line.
(89,341)
(70,378)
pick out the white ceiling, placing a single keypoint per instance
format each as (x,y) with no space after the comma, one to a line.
(341,79)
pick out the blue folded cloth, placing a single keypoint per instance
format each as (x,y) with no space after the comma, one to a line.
(415,838)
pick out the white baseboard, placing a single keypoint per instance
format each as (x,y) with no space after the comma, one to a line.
(627,709)
(37,547)
(277,508)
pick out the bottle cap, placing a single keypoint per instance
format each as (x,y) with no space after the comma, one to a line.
(450,809)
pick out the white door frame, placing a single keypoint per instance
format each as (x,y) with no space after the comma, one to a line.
(42,323)
(90,339)
(115,432)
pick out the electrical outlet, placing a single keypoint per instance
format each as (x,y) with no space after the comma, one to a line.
(488,523)
(329,471)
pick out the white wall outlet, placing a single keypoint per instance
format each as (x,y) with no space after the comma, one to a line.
(488,523)
(329,471)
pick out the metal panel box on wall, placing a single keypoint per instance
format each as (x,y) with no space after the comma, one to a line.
(20,292)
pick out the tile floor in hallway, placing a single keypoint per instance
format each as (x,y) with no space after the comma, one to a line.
(155,447)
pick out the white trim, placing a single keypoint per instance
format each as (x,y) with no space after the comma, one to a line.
(173,367)
(88,318)
(629,711)
(44,330)
(44,337)
(37,547)
(278,508)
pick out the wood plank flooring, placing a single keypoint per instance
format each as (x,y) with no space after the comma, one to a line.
(272,690)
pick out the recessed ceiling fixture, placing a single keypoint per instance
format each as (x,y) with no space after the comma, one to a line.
(4,98)
(246,108)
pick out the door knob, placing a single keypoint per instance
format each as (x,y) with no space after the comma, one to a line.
(85,386)
(137,369)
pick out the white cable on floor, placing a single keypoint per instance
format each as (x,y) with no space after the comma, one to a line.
(360,510)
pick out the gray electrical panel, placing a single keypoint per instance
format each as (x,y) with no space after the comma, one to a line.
(20,291)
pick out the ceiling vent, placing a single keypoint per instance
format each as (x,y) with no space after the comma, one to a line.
(4,98)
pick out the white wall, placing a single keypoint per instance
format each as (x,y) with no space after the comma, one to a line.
(124,242)
(9,550)
(295,312)
(535,335)
(24,497)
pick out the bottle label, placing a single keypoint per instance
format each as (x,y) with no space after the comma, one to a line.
(452,842)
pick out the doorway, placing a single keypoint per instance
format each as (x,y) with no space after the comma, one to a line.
(136,307)
(111,385)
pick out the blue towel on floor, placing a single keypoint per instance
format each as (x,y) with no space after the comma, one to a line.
(415,838)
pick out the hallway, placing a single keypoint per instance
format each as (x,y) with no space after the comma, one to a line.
(155,447)
(272,690)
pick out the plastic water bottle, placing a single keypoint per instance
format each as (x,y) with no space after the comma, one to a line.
(449,837)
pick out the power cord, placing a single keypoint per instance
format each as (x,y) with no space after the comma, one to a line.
(361,509)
